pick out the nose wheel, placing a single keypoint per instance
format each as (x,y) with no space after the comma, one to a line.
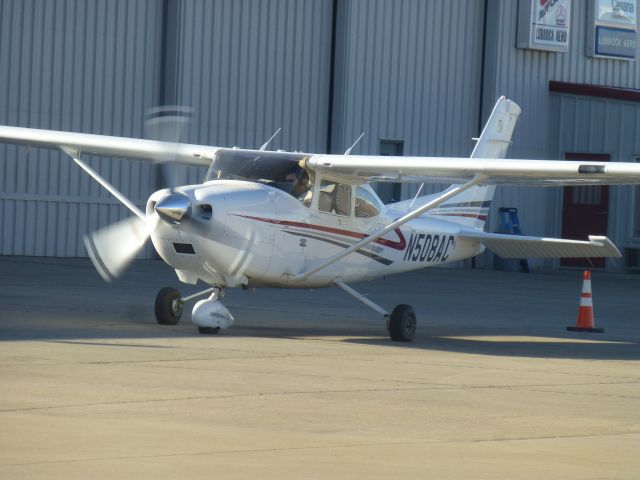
(210,315)
(168,306)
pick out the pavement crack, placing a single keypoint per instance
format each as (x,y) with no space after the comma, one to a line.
(322,447)
(435,386)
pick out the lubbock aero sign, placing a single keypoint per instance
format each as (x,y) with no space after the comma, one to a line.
(544,24)
(613,29)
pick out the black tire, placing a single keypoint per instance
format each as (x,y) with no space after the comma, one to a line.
(168,306)
(402,324)
(209,330)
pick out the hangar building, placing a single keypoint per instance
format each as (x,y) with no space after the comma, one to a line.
(419,77)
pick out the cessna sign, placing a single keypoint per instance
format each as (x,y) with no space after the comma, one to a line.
(544,24)
(613,29)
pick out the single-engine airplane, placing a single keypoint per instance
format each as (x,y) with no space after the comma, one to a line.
(298,220)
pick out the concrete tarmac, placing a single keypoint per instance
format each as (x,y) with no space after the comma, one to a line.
(306,384)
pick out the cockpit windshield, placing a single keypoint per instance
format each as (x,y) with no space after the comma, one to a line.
(282,170)
(254,166)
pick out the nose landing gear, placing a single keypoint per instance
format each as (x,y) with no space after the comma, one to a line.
(209,315)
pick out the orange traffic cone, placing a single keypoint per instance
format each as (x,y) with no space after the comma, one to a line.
(585,311)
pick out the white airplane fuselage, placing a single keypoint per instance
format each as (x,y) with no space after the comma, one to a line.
(246,233)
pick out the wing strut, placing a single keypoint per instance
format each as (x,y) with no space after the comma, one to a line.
(401,221)
(110,188)
(361,298)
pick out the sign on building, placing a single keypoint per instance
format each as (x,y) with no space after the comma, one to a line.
(544,24)
(613,31)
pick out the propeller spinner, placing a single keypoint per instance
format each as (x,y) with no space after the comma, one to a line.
(174,208)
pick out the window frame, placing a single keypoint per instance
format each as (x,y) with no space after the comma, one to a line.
(317,191)
(377,203)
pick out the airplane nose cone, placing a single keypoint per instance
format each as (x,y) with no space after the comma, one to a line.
(174,208)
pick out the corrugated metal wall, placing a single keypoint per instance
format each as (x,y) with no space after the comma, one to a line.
(408,70)
(78,65)
(523,75)
(249,68)
(593,125)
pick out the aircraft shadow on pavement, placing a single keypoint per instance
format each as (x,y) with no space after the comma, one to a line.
(136,332)
(486,342)
(72,304)
(549,347)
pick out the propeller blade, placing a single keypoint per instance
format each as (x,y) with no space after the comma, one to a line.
(169,123)
(112,248)
(171,174)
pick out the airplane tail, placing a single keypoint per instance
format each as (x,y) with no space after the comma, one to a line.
(471,207)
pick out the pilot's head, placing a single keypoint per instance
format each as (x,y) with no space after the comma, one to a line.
(299,177)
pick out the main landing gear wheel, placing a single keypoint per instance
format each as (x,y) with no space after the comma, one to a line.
(168,306)
(402,324)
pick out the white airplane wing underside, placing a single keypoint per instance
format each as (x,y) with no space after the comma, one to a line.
(517,246)
(137,148)
(353,168)
(458,170)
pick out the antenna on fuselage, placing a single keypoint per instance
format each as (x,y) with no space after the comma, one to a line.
(348,152)
(264,145)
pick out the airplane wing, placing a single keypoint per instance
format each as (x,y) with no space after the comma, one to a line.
(518,246)
(361,169)
(137,148)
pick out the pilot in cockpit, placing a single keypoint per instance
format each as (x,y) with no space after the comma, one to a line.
(297,182)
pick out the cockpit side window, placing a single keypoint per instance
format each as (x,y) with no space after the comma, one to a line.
(335,198)
(367,205)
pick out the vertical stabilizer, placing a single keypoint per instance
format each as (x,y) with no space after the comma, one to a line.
(496,135)
(471,208)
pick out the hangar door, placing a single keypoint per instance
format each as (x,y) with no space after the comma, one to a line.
(585,211)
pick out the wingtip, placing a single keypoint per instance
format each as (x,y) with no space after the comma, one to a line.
(607,244)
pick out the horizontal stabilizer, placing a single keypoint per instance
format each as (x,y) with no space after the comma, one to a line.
(517,246)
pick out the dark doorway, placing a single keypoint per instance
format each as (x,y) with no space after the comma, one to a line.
(585,211)
(390,192)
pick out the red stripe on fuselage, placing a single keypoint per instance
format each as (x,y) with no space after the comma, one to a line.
(400,245)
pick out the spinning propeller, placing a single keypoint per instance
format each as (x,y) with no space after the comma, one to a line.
(114,247)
